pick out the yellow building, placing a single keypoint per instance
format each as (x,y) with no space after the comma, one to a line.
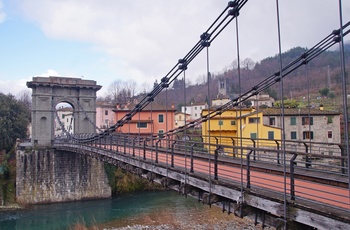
(236,128)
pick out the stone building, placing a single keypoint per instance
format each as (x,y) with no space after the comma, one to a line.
(306,124)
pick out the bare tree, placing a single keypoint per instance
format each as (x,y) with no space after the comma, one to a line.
(25,97)
(234,64)
(201,80)
(131,87)
(121,91)
(114,90)
(145,88)
(248,63)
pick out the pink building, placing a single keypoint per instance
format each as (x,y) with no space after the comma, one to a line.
(104,115)
(154,119)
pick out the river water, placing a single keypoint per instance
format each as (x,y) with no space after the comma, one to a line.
(164,209)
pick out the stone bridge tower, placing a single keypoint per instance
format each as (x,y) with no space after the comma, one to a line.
(48,92)
(45,174)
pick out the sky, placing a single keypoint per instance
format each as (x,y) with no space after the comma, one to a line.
(109,40)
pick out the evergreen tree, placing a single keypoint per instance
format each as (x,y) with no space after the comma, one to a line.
(14,120)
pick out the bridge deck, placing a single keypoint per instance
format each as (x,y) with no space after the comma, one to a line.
(315,191)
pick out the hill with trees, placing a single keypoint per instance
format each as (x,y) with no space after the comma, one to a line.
(320,78)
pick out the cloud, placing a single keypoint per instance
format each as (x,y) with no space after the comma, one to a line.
(49,72)
(2,12)
(144,39)
(13,86)
(147,37)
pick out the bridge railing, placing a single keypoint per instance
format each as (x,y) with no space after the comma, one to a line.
(263,169)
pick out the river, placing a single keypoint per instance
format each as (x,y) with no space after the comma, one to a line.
(157,210)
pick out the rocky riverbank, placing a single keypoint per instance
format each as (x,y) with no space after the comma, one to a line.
(10,207)
(204,218)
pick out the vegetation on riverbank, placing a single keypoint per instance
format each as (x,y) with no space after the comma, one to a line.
(7,177)
(126,182)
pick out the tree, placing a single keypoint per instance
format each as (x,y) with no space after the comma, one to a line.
(14,121)
(288,103)
(114,90)
(25,97)
(130,87)
(121,91)
(248,63)
(331,95)
(324,92)
(271,92)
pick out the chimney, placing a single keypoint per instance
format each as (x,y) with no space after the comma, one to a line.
(321,107)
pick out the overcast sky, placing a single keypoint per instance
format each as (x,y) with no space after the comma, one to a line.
(108,40)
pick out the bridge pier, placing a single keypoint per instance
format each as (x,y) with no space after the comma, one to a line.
(47,175)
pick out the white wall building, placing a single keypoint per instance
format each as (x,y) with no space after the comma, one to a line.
(66,117)
(194,110)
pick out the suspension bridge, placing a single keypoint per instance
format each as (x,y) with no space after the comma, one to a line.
(277,182)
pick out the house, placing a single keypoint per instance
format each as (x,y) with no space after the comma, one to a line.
(104,115)
(181,118)
(153,119)
(194,110)
(261,100)
(239,127)
(220,101)
(306,124)
(66,119)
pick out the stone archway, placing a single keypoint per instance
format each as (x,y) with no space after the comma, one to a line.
(47,92)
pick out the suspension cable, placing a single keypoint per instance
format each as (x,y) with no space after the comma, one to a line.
(345,99)
(303,59)
(282,120)
(235,6)
(240,111)
(207,44)
(231,11)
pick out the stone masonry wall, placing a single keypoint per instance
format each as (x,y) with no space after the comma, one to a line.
(48,175)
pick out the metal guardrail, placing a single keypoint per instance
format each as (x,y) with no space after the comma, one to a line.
(315,178)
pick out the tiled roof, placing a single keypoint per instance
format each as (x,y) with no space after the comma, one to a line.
(297,111)
(149,107)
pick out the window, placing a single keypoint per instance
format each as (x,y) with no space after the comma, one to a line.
(254,120)
(195,108)
(270,135)
(161,133)
(195,115)
(308,135)
(307,120)
(329,120)
(233,122)
(272,121)
(106,112)
(330,134)
(141,125)
(293,121)
(293,135)
(221,122)
(253,135)
(160,118)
